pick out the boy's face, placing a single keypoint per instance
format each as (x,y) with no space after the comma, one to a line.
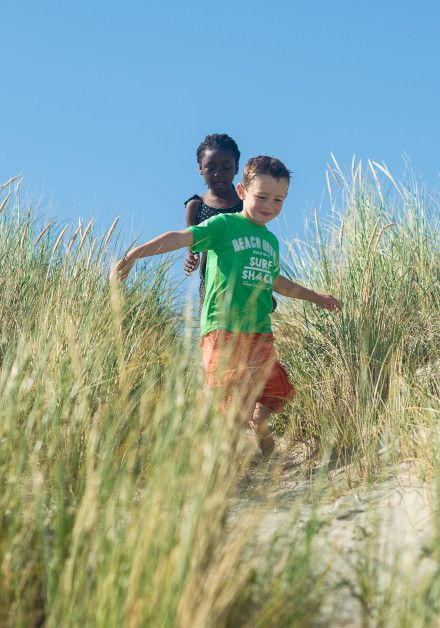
(263,198)
(218,168)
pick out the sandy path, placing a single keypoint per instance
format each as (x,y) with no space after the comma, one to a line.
(372,540)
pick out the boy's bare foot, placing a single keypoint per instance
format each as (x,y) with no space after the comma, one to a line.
(266,445)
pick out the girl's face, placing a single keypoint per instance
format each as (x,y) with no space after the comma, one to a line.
(218,168)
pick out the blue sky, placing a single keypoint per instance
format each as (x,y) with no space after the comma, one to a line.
(104,103)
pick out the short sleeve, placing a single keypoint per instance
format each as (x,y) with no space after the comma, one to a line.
(207,234)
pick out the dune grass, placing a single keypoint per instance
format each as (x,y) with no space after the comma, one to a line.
(119,498)
(367,378)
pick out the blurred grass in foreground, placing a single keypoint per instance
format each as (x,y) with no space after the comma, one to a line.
(119,477)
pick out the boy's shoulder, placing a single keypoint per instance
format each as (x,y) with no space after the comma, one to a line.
(237,223)
(245,223)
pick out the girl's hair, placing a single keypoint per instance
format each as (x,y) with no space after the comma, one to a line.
(219,141)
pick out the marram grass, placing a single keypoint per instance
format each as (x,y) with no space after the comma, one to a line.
(362,376)
(118,474)
(117,471)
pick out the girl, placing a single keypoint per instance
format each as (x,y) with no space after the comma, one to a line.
(218,157)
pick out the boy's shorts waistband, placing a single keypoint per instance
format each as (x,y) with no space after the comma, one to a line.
(247,363)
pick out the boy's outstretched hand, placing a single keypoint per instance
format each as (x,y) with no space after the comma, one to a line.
(122,269)
(328,302)
(191,262)
(288,288)
(163,243)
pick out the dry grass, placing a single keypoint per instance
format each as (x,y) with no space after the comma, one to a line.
(119,478)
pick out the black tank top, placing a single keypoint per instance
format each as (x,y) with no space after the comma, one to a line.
(205,211)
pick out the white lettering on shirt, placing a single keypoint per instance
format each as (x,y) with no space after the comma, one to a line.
(252,242)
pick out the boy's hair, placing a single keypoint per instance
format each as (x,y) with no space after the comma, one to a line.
(219,141)
(257,166)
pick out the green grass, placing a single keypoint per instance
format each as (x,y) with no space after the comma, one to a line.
(360,375)
(118,475)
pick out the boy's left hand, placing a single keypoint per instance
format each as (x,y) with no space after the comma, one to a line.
(328,302)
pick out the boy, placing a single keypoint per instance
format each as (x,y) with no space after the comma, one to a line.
(242,271)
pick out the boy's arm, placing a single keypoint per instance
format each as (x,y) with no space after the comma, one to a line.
(170,241)
(192,260)
(288,288)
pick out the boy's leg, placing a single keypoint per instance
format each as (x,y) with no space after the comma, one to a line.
(275,394)
(245,367)
(259,423)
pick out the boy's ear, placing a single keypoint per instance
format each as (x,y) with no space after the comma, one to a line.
(241,191)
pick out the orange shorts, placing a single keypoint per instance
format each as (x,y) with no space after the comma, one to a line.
(247,363)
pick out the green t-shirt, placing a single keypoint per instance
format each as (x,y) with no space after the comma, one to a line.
(243,262)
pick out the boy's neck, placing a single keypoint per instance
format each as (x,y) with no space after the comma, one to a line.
(244,214)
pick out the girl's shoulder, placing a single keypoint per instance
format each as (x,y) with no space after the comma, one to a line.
(195,197)
(205,211)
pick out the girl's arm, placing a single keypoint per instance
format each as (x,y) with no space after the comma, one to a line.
(288,288)
(170,241)
(191,210)
(192,260)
